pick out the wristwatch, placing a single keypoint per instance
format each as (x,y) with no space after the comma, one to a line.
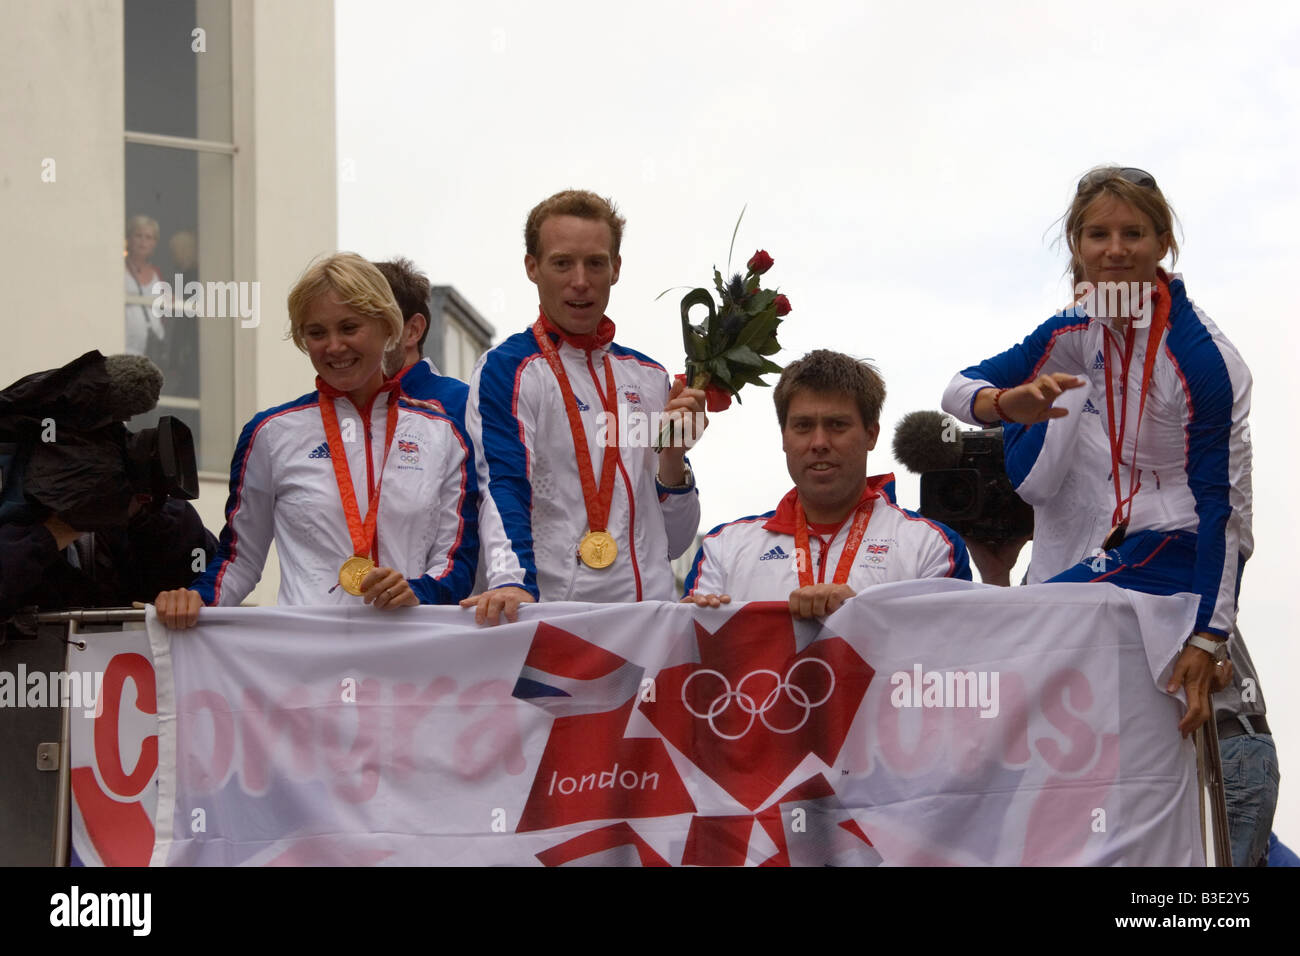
(688,480)
(1216,649)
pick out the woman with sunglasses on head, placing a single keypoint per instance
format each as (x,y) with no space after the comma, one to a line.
(369,495)
(1136,389)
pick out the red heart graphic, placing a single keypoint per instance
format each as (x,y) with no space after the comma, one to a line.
(752,709)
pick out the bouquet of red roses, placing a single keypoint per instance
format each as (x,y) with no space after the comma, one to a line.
(727,350)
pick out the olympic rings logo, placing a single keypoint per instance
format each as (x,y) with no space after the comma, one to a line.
(796,695)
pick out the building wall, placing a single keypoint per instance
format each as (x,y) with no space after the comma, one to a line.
(60,100)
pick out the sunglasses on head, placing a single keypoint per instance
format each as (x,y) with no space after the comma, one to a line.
(1138,177)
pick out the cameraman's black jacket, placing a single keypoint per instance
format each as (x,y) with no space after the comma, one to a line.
(154,552)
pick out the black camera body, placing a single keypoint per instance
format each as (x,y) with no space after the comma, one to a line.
(65,450)
(975,498)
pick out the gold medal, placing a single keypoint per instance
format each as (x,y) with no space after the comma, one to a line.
(597,549)
(1116,536)
(353,572)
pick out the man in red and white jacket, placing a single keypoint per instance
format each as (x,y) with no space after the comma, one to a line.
(837,531)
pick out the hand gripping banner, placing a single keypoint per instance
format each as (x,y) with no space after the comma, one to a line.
(924,723)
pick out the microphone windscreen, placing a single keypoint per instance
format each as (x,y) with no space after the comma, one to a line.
(134,385)
(927,441)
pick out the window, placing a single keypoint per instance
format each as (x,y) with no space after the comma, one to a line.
(182,306)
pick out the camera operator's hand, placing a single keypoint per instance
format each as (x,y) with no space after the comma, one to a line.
(995,561)
(386,588)
(64,533)
(818,600)
(178,609)
(1026,404)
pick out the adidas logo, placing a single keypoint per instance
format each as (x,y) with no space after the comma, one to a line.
(320,451)
(776,554)
(1090,408)
(1098,363)
(582,406)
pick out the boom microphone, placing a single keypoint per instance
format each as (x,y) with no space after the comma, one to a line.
(927,441)
(134,386)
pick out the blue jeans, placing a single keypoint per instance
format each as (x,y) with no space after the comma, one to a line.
(1250,779)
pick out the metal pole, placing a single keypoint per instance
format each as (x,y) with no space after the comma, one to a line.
(63,802)
(103,616)
(1218,801)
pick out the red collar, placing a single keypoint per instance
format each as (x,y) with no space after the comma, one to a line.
(782,522)
(603,335)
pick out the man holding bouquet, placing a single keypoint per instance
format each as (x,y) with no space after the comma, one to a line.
(573,508)
(837,531)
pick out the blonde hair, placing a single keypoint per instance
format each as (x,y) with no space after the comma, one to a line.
(1109,180)
(358,284)
(142,220)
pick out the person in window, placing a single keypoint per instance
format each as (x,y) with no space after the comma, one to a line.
(370,496)
(144,330)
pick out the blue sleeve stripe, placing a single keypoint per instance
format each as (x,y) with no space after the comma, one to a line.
(698,563)
(958,556)
(1208,389)
(694,575)
(505,450)
(457,581)
(1020,363)
(1021,446)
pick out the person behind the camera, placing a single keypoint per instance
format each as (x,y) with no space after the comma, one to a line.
(88,517)
(1172,458)
(369,496)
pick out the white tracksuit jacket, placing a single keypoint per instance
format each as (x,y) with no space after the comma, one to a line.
(1193,449)
(753,559)
(283,486)
(531,509)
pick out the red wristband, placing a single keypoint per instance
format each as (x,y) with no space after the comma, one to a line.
(997,406)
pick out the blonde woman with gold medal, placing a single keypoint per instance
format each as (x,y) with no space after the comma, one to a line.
(367,494)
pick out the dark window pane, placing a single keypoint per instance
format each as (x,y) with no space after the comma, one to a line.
(172,87)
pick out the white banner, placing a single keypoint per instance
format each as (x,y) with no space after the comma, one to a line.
(114,762)
(925,723)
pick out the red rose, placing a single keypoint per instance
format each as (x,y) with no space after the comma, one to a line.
(760,262)
(717,398)
(782,305)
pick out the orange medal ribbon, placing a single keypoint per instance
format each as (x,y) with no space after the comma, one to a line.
(596,499)
(1159,321)
(363,535)
(803,549)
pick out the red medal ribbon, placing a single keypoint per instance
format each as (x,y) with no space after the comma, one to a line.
(597,500)
(1158,323)
(363,535)
(847,556)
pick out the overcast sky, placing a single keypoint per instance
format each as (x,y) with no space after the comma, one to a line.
(904,165)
